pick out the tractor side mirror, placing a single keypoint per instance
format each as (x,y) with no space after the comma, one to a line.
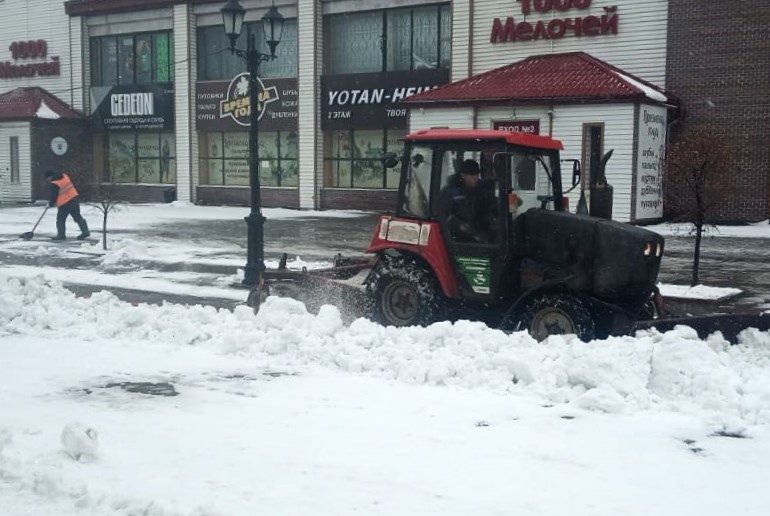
(389,159)
(575,172)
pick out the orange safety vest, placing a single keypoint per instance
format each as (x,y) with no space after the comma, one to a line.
(67,190)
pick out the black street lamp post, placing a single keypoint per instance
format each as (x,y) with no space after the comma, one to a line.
(272,22)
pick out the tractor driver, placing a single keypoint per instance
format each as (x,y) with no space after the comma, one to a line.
(464,206)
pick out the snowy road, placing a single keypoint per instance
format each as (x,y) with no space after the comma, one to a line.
(197,252)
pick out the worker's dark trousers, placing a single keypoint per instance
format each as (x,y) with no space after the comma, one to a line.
(71,208)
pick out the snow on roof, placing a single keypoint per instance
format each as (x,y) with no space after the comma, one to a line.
(45,112)
(569,77)
(34,102)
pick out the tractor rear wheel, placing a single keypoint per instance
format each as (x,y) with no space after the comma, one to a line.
(555,314)
(403,292)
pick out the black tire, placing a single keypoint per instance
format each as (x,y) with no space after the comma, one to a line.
(555,314)
(402,292)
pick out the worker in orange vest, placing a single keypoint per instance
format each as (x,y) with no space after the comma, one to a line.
(65,197)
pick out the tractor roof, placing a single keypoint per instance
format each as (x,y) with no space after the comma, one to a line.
(514,138)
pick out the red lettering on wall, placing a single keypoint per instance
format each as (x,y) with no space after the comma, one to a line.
(28,49)
(31,49)
(555,28)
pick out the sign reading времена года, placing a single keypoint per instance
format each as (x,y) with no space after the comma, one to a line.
(237,104)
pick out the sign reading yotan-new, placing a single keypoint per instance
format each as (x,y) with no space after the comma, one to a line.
(373,100)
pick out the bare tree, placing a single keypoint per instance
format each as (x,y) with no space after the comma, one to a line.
(696,181)
(106,198)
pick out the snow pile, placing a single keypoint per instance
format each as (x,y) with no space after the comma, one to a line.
(672,371)
(700,292)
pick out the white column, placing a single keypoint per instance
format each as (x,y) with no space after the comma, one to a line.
(461,39)
(80,63)
(310,54)
(184,103)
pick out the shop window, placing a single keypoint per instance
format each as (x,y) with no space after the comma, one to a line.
(388,40)
(140,157)
(354,159)
(132,59)
(14,144)
(225,159)
(215,62)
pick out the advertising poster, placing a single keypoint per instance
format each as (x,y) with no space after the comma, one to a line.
(224,105)
(133,106)
(649,162)
(373,100)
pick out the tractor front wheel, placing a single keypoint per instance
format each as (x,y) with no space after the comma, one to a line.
(403,293)
(555,314)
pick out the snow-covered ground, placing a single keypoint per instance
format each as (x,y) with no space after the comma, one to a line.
(127,246)
(285,412)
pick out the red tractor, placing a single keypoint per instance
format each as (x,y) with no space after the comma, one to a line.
(515,259)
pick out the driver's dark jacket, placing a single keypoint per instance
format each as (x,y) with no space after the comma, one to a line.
(466,211)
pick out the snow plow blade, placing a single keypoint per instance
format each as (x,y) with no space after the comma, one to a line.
(341,285)
(729,324)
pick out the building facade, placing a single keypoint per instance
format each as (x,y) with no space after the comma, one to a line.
(164,97)
(41,96)
(718,62)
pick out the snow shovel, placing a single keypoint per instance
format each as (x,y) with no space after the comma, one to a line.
(29,234)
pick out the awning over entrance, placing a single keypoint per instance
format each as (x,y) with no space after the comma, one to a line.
(34,102)
(575,77)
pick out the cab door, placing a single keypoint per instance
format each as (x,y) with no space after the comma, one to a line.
(479,263)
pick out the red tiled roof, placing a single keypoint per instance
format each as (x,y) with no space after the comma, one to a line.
(24,103)
(569,77)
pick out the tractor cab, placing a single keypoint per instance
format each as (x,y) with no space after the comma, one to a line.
(476,210)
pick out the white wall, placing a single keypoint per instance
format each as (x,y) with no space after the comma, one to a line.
(639,46)
(461,44)
(619,123)
(24,20)
(618,120)
(21,191)
(456,118)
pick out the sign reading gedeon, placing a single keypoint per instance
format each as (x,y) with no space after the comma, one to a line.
(224,105)
(373,100)
(554,27)
(29,50)
(133,106)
